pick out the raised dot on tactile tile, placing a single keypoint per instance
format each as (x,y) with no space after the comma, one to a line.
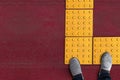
(89,50)
(83,50)
(82,61)
(90,5)
(78,33)
(77,55)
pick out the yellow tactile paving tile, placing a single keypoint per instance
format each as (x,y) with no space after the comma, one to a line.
(79,23)
(80,47)
(79,4)
(109,44)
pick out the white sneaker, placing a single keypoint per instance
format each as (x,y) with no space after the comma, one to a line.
(75,67)
(106,62)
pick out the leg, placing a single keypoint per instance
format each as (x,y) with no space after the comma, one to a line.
(104,75)
(106,64)
(75,69)
(78,77)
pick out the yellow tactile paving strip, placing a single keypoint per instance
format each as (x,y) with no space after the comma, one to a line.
(80,47)
(79,30)
(79,4)
(79,40)
(109,44)
(79,22)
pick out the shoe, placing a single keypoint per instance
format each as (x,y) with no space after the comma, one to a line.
(75,67)
(106,62)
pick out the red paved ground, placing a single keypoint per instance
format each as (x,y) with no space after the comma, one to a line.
(107,18)
(32,38)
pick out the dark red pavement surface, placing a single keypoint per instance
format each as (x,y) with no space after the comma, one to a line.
(32,38)
(107,18)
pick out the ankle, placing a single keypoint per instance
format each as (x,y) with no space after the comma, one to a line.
(104,71)
(78,76)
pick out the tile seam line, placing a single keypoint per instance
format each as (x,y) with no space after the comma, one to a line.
(92,49)
(79,36)
(79,9)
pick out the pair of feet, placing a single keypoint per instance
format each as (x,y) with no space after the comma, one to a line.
(106,64)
